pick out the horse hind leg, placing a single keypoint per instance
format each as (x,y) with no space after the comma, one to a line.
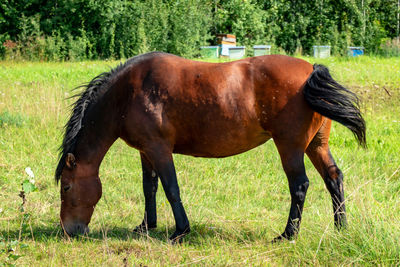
(319,153)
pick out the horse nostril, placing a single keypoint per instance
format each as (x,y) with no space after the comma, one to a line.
(74,230)
(81,229)
(66,188)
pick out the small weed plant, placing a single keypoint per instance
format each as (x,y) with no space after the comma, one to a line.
(12,249)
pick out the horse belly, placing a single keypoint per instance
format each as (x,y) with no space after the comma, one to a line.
(221,141)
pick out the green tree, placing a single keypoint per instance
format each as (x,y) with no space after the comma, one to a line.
(244,18)
(190,22)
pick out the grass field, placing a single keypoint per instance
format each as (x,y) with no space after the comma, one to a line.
(236,205)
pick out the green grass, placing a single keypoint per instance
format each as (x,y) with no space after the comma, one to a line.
(7,118)
(236,205)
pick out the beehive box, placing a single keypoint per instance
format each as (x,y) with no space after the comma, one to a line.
(209,51)
(355,51)
(322,51)
(237,52)
(226,41)
(261,50)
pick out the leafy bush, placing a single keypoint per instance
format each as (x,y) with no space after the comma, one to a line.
(390,48)
(76,48)
(54,48)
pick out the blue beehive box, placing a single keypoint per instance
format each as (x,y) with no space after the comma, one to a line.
(355,51)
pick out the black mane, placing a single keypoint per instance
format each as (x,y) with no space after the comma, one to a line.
(87,98)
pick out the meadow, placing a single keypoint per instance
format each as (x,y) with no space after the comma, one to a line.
(236,205)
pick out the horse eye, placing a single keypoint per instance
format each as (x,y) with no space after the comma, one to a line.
(66,188)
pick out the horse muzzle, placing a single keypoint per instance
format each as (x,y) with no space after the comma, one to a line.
(75,229)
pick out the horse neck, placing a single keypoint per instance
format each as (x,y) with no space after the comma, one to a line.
(99,132)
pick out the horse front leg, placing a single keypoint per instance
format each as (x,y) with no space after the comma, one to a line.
(150,186)
(164,165)
(293,164)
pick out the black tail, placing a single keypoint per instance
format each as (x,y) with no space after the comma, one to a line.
(332,100)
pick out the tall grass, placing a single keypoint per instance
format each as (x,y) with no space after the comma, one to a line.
(236,205)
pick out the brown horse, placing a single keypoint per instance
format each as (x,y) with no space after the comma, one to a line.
(162,104)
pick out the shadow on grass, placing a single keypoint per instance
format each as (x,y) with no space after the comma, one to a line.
(199,234)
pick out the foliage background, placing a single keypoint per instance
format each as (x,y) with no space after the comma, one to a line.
(103,29)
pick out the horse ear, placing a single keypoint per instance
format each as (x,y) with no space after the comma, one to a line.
(70,161)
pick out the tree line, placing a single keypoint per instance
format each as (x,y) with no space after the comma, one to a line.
(102,29)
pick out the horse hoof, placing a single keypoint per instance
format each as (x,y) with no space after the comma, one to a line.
(284,237)
(143,228)
(177,237)
(278,239)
